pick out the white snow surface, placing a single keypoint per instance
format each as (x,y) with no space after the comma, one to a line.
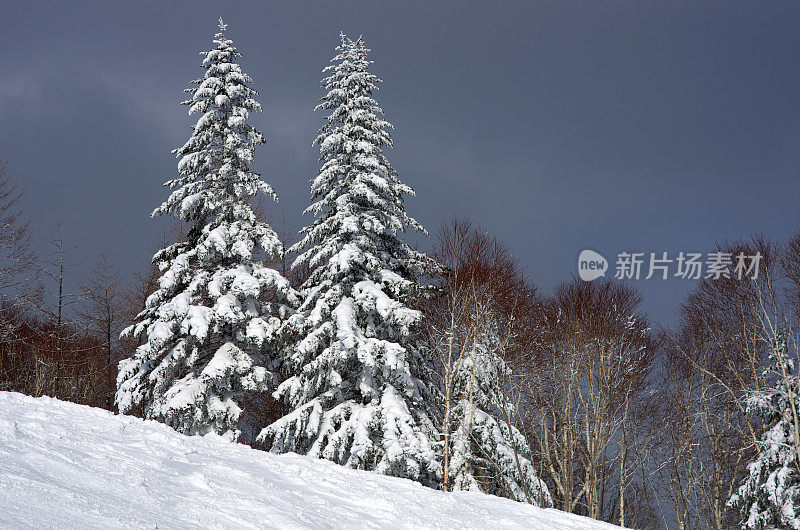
(70,466)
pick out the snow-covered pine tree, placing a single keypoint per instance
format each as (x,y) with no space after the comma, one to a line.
(487,452)
(217,306)
(770,495)
(358,393)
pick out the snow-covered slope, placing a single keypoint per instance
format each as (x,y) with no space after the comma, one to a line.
(70,466)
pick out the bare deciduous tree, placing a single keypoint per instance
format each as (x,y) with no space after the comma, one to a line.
(101,305)
(714,361)
(16,252)
(588,395)
(477,272)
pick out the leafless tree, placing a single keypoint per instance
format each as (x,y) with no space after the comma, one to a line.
(715,358)
(588,398)
(100,308)
(16,252)
(476,271)
(16,263)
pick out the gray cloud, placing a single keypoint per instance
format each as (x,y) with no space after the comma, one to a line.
(560,126)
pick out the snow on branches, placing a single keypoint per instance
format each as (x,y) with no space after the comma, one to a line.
(357,392)
(217,306)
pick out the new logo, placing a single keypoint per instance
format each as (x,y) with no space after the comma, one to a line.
(591,265)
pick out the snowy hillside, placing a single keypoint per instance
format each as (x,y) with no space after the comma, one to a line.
(70,466)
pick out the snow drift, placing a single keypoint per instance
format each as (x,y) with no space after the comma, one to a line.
(70,466)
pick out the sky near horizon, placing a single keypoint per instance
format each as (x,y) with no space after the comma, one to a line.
(559,126)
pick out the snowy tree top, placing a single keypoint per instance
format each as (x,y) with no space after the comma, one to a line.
(356,195)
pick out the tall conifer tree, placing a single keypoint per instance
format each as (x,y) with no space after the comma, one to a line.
(358,395)
(217,306)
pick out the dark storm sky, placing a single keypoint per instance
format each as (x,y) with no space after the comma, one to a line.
(637,126)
